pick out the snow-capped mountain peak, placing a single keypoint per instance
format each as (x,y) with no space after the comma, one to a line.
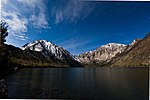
(102,54)
(111,45)
(48,49)
(39,45)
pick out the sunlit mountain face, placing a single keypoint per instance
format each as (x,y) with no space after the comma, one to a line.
(78,26)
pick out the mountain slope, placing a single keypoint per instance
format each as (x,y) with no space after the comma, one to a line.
(37,54)
(51,51)
(26,58)
(138,55)
(102,54)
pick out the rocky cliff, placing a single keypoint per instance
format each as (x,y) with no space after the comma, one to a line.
(113,54)
(102,54)
(138,55)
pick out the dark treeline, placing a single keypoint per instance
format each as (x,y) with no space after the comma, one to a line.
(4,53)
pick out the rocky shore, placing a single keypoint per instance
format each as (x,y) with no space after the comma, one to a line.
(3,88)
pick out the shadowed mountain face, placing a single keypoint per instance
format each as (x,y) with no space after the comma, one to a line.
(40,53)
(138,55)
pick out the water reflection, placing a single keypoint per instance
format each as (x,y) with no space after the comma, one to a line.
(124,83)
(78,83)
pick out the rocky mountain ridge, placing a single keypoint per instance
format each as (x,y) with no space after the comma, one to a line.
(138,55)
(39,53)
(48,49)
(44,53)
(102,54)
(113,54)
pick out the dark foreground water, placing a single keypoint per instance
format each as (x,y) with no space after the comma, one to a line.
(80,83)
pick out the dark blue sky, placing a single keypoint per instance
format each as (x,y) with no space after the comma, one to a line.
(83,26)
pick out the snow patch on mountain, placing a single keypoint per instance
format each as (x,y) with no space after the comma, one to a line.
(102,54)
(47,48)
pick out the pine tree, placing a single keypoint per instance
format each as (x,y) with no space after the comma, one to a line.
(3,32)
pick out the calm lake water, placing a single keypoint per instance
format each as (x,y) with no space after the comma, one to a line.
(80,83)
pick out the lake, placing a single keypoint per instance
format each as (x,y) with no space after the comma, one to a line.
(102,83)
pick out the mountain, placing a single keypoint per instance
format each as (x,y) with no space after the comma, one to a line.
(48,49)
(42,53)
(138,55)
(113,54)
(102,54)
(39,53)
(133,44)
(51,51)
